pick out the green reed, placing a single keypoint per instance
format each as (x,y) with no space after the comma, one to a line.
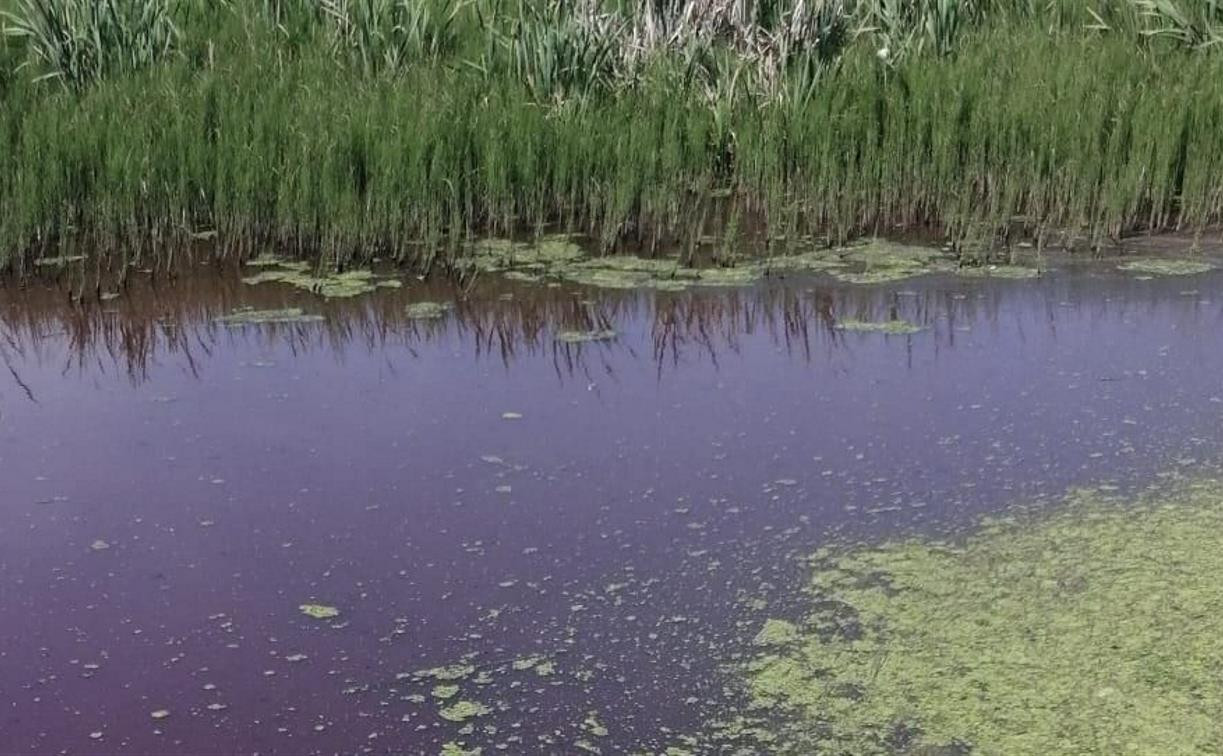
(399,128)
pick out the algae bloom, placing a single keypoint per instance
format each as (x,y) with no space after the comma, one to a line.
(1093,629)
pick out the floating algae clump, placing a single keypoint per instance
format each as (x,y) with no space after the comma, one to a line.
(319,611)
(249,316)
(351,283)
(884,261)
(445,691)
(580,337)
(450,672)
(501,255)
(1157,267)
(1093,629)
(998,271)
(463,710)
(900,327)
(427,310)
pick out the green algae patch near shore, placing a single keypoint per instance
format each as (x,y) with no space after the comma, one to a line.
(998,271)
(558,259)
(330,285)
(895,327)
(1096,628)
(1161,267)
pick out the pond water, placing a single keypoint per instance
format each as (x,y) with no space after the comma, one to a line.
(575,537)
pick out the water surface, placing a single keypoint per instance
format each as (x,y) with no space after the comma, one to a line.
(618,516)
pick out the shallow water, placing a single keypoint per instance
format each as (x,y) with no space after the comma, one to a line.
(642,507)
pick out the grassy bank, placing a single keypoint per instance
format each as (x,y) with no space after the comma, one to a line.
(380,128)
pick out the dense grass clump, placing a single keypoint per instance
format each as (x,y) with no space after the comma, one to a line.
(399,128)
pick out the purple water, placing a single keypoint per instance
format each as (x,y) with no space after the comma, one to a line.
(631,528)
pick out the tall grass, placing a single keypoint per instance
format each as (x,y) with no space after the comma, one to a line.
(398,128)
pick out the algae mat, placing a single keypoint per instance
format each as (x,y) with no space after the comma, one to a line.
(1098,629)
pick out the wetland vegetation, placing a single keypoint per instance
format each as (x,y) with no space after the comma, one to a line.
(467,512)
(153,130)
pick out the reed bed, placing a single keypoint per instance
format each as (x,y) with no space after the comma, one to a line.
(354,129)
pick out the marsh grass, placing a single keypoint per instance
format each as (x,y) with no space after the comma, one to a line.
(360,129)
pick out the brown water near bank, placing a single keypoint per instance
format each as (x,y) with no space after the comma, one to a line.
(469,490)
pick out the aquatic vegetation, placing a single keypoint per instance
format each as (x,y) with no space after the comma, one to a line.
(581,337)
(445,691)
(1089,627)
(526,663)
(1166,267)
(428,310)
(319,611)
(463,710)
(997,271)
(448,672)
(776,632)
(230,127)
(898,327)
(352,283)
(450,748)
(880,261)
(249,316)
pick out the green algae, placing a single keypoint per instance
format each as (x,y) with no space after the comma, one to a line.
(526,663)
(998,271)
(503,255)
(449,672)
(545,669)
(897,327)
(319,611)
(249,316)
(1094,627)
(776,632)
(815,261)
(330,285)
(427,310)
(1162,267)
(558,259)
(881,261)
(445,691)
(581,337)
(463,710)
